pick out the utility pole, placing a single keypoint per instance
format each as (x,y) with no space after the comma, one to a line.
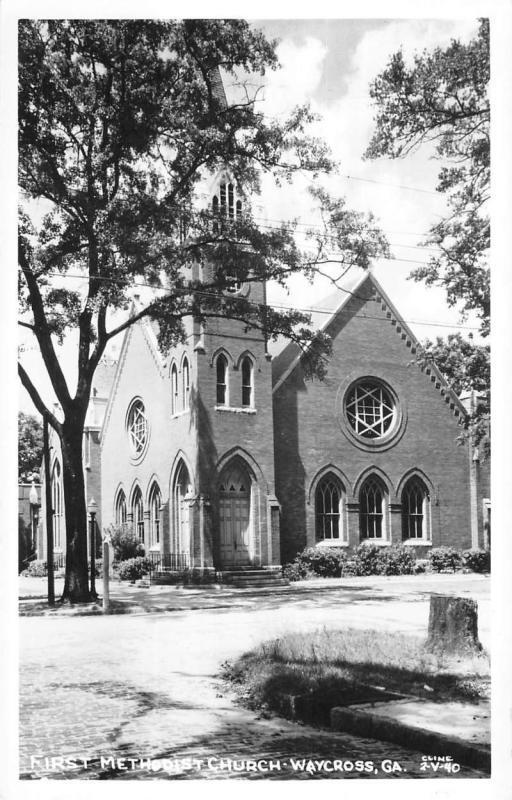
(49,513)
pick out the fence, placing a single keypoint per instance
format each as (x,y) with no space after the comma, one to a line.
(176,562)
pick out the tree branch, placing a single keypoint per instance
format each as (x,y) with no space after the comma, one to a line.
(37,401)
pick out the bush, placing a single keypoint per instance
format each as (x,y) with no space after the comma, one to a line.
(445,559)
(36,569)
(326,562)
(125,542)
(368,559)
(396,560)
(132,569)
(296,571)
(477,560)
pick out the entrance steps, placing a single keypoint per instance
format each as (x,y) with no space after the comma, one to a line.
(244,577)
(237,577)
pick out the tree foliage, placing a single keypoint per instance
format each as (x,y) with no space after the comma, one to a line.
(30,446)
(120,121)
(442,99)
(466,366)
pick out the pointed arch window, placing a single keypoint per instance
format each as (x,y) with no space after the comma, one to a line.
(247,383)
(372,504)
(186,384)
(155,504)
(415,510)
(138,514)
(57,504)
(174,389)
(121,514)
(328,508)
(222,380)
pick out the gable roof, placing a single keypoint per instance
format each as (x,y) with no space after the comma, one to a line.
(322,316)
(289,358)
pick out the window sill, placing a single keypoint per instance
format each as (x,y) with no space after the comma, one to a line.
(378,542)
(180,413)
(417,542)
(235,410)
(332,543)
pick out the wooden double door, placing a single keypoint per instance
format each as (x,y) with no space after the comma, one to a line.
(235,517)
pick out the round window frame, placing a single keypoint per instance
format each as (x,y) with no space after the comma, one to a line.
(397,429)
(136,458)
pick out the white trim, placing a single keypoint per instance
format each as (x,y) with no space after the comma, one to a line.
(235,410)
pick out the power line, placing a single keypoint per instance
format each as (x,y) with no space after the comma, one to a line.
(310,310)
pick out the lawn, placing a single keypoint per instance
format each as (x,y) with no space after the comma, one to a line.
(354,666)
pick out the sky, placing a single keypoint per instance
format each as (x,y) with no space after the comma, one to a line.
(329,63)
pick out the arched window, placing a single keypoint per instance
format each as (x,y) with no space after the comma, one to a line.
(415,510)
(222,380)
(328,508)
(372,504)
(186,384)
(155,503)
(57,505)
(247,382)
(121,508)
(226,204)
(174,389)
(180,537)
(138,514)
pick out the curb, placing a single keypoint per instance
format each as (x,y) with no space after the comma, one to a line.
(374,726)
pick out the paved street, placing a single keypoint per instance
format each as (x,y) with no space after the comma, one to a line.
(143,685)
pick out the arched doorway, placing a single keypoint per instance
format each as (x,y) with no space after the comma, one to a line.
(181,494)
(235,516)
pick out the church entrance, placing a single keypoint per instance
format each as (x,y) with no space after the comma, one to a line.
(235,516)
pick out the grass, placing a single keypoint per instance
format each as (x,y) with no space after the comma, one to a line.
(352,664)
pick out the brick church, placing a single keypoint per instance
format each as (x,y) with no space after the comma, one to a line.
(223,454)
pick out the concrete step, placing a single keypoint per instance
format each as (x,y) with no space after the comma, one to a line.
(242,583)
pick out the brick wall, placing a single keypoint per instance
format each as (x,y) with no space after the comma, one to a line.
(311,434)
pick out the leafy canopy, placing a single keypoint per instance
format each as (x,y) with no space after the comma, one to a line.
(30,446)
(466,366)
(120,121)
(442,99)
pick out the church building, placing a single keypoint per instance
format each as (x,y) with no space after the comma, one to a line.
(223,454)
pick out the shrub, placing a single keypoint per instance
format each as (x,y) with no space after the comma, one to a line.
(349,568)
(133,569)
(396,560)
(125,542)
(445,559)
(477,560)
(36,569)
(296,571)
(367,558)
(326,562)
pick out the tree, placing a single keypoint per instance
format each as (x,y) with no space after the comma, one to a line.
(119,123)
(466,366)
(30,446)
(442,99)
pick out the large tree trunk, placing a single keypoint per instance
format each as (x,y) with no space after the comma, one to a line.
(453,626)
(76,583)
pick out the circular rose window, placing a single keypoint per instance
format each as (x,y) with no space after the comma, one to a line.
(137,428)
(370,409)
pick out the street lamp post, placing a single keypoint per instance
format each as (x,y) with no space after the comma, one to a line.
(92,508)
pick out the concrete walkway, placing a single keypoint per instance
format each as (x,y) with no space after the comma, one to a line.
(144,686)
